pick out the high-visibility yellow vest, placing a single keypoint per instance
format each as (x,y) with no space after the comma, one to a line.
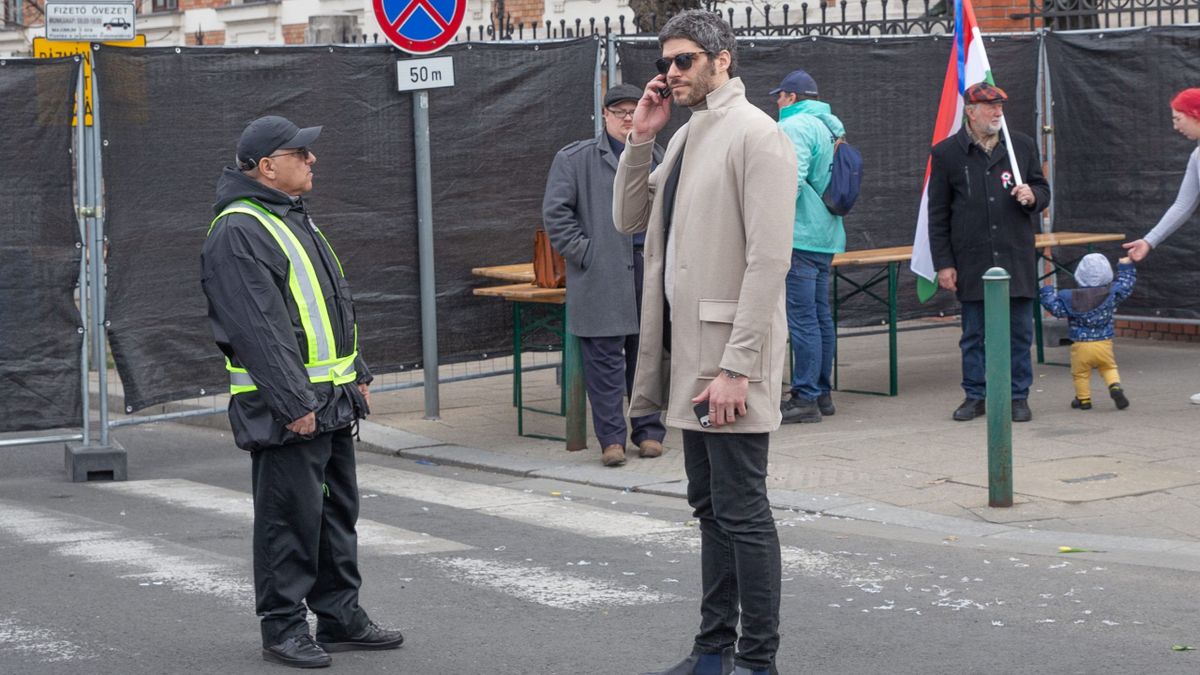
(323,365)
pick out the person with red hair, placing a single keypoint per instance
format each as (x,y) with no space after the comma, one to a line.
(1185,118)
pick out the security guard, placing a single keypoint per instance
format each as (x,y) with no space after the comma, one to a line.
(282,314)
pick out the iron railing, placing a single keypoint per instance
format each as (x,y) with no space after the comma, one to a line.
(841,17)
(1093,14)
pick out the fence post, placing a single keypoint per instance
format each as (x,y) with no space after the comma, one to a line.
(997,346)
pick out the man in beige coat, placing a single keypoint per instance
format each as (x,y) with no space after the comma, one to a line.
(717,213)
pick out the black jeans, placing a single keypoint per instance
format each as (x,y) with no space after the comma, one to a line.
(305,544)
(739,555)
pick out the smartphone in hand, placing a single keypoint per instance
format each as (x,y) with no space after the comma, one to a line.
(701,410)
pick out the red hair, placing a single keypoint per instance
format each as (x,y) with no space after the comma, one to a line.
(1188,102)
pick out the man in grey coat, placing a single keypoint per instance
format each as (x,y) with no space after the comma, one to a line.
(604,275)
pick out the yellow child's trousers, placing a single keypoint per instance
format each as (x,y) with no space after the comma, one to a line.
(1088,355)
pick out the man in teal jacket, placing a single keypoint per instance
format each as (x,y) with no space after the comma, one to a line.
(816,235)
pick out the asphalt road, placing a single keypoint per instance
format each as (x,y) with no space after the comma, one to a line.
(491,574)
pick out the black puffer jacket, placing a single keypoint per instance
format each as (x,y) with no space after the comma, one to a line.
(256,323)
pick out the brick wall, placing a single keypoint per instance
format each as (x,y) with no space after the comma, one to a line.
(1155,330)
(993,15)
(185,5)
(293,33)
(211,37)
(524,11)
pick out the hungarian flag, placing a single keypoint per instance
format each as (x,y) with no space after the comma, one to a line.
(968,65)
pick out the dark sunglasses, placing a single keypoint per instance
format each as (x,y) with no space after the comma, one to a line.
(682,61)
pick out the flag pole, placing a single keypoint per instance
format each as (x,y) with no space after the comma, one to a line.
(1012,156)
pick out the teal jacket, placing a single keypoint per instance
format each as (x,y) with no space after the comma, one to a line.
(815,229)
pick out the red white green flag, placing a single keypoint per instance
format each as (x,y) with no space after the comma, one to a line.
(968,65)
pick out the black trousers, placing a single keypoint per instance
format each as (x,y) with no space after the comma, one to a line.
(739,554)
(305,544)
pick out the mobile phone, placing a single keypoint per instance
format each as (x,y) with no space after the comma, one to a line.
(701,410)
(664,92)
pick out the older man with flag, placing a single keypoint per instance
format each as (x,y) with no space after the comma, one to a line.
(982,215)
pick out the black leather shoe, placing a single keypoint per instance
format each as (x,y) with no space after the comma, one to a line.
(1081,405)
(969,409)
(371,638)
(1118,396)
(701,664)
(1021,411)
(825,403)
(298,651)
(798,410)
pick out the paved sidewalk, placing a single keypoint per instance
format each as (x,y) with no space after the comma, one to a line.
(1128,479)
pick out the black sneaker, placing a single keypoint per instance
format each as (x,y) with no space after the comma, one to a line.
(1081,405)
(298,651)
(1118,396)
(798,410)
(825,403)
(969,409)
(1021,411)
(370,639)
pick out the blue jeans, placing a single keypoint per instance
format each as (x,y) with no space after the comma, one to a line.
(810,324)
(974,368)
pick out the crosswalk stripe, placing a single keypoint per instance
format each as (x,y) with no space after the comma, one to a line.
(548,587)
(540,510)
(142,559)
(38,644)
(373,536)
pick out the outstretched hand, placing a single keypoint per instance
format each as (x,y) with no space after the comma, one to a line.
(1138,250)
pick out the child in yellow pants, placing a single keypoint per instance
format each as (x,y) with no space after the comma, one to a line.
(1089,313)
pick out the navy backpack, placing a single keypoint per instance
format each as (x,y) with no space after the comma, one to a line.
(845,177)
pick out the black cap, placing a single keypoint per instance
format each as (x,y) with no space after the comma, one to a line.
(267,134)
(622,92)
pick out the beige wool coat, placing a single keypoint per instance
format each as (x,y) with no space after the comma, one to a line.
(732,223)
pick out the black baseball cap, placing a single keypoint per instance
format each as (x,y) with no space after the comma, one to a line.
(622,92)
(267,134)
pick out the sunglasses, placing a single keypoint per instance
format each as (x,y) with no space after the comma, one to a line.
(682,61)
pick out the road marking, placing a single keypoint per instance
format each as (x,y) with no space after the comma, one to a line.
(530,509)
(41,645)
(143,560)
(544,586)
(372,536)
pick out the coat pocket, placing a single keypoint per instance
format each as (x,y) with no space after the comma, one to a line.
(716,328)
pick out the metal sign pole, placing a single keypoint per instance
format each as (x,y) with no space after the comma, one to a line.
(429,350)
(92,140)
(84,292)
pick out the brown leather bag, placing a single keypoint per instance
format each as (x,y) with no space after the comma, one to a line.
(549,267)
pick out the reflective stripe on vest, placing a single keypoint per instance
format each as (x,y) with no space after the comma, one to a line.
(323,364)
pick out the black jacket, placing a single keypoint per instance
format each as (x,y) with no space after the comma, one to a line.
(974,223)
(256,323)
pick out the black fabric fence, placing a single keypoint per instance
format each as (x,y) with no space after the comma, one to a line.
(40,337)
(1119,162)
(886,93)
(171,119)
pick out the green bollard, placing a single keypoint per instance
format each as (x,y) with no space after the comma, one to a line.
(997,346)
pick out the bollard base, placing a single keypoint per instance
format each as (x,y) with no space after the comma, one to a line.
(95,462)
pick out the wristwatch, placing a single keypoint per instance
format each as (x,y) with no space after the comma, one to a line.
(733,375)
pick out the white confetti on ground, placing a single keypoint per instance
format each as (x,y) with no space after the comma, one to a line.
(39,644)
(548,587)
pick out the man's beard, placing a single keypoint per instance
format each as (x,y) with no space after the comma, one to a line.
(701,87)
